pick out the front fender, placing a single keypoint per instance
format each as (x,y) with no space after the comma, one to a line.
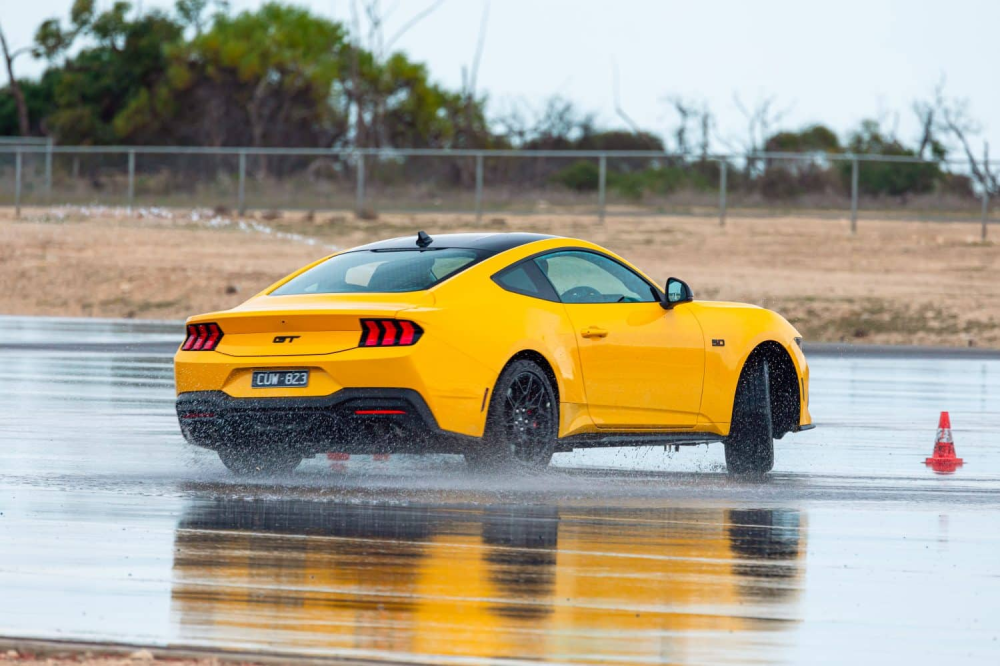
(732,332)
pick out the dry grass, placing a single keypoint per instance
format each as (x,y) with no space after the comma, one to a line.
(895,282)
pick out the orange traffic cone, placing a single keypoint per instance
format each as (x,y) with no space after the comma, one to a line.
(944,460)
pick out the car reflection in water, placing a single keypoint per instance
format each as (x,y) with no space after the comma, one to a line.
(532,582)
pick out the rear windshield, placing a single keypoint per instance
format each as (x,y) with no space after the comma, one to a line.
(380,271)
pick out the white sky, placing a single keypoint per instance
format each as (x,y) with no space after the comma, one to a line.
(830,61)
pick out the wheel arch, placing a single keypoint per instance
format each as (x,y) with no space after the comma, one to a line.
(541,361)
(783,385)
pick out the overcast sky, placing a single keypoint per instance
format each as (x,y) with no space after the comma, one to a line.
(826,61)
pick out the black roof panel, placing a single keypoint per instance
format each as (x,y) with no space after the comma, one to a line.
(494,243)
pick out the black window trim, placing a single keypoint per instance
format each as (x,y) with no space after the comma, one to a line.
(551,290)
(546,292)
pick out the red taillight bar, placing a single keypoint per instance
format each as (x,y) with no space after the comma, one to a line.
(379,412)
(200,340)
(389,339)
(370,339)
(389,333)
(406,338)
(202,337)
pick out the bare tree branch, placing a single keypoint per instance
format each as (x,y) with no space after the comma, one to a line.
(360,129)
(955,114)
(707,121)
(469,80)
(760,121)
(684,112)
(694,117)
(925,113)
(480,43)
(15,88)
(420,16)
(617,99)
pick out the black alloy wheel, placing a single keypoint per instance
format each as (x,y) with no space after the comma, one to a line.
(523,421)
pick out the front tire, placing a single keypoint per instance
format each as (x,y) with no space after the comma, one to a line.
(245,461)
(750,445)
(523,422)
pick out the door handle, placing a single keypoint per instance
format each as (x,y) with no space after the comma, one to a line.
(594,332)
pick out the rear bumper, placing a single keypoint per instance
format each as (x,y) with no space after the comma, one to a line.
(365,420)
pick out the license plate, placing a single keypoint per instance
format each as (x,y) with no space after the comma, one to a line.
(279,378)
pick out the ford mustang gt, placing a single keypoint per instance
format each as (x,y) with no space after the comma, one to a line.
(505,348)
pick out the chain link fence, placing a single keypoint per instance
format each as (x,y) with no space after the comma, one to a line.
(481,183)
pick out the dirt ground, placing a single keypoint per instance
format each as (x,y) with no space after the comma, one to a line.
(85,659)
(894,282)
(40,653)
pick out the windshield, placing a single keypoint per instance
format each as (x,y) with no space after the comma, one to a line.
(380,271)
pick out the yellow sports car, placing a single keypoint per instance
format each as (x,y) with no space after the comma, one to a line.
(506,348)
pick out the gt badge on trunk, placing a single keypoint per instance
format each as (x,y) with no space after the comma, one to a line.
(279,378)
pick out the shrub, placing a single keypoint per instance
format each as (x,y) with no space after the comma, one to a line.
(581,176)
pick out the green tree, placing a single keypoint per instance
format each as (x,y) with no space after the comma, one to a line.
(896,179)
(789,178)
(38,97)
(264,77)
(815,138)
(93,88)
(399,106)
(194,13)
(52,39)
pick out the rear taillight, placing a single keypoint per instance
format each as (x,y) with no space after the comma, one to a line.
(202,337)
(389,333)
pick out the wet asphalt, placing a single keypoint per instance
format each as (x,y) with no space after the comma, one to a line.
(852,551)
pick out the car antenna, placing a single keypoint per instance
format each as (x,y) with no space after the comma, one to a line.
(423,239)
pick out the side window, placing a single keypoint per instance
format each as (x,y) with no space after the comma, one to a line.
(586,277)
(524,278)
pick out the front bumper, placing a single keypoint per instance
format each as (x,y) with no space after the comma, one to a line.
(368,420)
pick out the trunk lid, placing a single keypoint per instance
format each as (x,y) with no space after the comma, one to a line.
(304,325)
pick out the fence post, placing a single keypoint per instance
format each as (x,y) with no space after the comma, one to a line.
(131,179)
(602,180)
(854,196)
(241,187)
(359,195)
(723,171)
(986,211)
(17,184)
(479,188)
(48,171)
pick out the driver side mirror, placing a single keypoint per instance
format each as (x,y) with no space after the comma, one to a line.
(677,292)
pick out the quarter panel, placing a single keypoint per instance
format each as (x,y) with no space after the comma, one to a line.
(480,319)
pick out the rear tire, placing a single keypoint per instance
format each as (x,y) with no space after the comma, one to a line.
(244,461)
(523,422)
(750,445)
